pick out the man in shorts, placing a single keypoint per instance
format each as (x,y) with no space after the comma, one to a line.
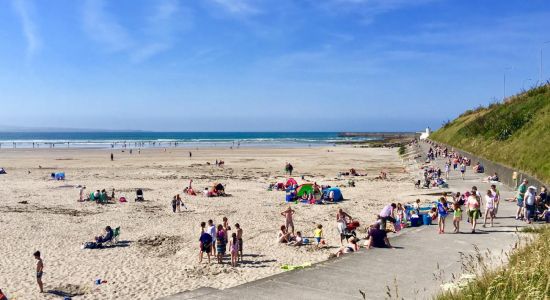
(519,198)
(39,270)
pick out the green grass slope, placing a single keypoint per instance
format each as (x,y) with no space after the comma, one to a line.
(515,133)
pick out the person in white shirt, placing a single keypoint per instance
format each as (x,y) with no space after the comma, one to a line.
(211,230)
(489,207)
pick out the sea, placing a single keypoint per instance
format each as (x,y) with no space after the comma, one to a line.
(140,139)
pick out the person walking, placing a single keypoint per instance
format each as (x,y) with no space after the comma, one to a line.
(519,198)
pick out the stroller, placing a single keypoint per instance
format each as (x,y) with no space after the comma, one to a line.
(350,229)
(139,195)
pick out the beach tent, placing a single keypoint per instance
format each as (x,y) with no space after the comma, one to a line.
(290,194)
(291,182)
(304,188)
(2,171)
(336,192)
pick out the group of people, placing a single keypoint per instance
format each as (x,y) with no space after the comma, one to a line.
(532,206)
(214,240)
(99,196)
(177,203)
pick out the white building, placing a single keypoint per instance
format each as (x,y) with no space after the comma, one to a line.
(426,134)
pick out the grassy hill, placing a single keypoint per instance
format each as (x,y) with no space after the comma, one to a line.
(514,133)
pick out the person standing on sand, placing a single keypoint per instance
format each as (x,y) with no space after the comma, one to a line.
(290,169)
(39,270)
(112,157)
(289,222)
(82,193)
(190,155)
(212,231)
(240,240)
(175,205)
(205,240)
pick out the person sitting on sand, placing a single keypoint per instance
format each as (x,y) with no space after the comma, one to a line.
(283,236)
(378,238)
(108,236)
(349,248)
(219,189)
(2,296)
(298,240)
(189,190)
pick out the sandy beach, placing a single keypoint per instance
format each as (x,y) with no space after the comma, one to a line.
(159,253)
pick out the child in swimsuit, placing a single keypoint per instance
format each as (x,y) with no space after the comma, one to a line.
(457,216)
(220,243)
(234,246)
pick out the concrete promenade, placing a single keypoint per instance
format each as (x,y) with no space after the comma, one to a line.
(421,262)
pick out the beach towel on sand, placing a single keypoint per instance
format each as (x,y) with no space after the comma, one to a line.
(295,267)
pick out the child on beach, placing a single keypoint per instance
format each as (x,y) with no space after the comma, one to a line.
(298,240)
(240,240)
(318,234)
(234,246)
(457,217)
(221,240)
(226,229)
(489,207)
(180,202)
(174,204)
(39,270)
(289,222)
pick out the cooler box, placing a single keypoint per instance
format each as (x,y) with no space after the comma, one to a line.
(415,222)
(427,220)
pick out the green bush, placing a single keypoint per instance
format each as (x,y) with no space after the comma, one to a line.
(527,275)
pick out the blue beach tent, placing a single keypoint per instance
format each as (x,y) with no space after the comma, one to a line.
(336,192)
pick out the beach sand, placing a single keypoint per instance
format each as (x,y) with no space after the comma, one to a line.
(161,253)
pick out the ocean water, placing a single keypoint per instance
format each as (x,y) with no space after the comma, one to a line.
(170,139)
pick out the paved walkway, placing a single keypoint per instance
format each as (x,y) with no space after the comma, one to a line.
(422,261)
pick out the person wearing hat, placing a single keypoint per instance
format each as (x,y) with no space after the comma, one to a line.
(519,198)
(529,203)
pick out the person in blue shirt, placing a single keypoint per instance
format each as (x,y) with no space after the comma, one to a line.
(205,245)
(443,211)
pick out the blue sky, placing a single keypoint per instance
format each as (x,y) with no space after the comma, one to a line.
(263,65)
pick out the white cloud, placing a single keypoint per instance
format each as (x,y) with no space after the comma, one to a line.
(103,27)
(157,34)
(238,7)
(367,9)
(24,10)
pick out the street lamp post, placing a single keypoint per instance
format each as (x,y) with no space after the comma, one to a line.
(542,47)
